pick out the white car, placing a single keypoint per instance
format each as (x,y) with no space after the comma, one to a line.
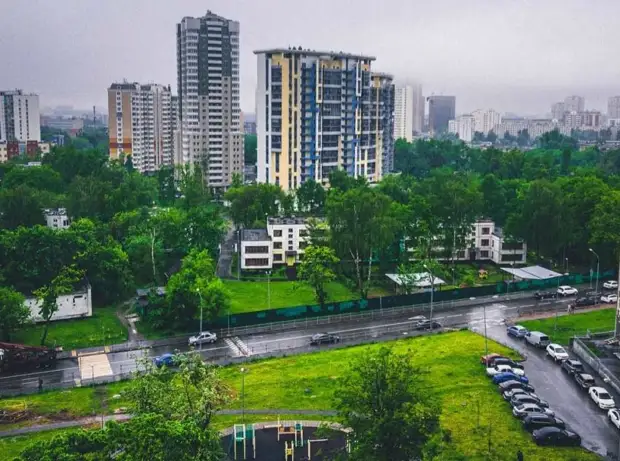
(566,290)
(610,285)
(614,417)
(202,338)
(609,299)
(497,369)
(557,352)
(602,398)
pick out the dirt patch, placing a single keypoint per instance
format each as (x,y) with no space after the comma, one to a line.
(14,416)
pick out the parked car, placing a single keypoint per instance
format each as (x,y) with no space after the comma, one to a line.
(610,285)
(538,421)
(537,339)
(487,359)
(520,399)
(545,295)
(584,380)
(614,417)
(602,398)
(505,361)
(509,394)
(556,436)
(611,298)
(526,409)
(557,352)
(514,384)
(572,366)
(497,369)
(165,360)
(202,338)
(517,331)
(324,338)
(566,290)
(583,302)
(427,325)
(500,378)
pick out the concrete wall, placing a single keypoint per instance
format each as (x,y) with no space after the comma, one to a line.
(75,305)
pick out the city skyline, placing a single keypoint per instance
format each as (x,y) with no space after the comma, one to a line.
(538,35)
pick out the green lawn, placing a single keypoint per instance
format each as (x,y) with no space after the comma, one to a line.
(571,325)
(455,377)
(10,447)
(252,296)
(102,328)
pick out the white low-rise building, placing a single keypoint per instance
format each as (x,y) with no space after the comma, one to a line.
(56,218)
(256,250)
(71,306)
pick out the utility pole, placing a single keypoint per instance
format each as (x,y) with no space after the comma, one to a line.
(598,268)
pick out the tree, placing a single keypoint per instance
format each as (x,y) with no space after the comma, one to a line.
(250,149)
(478,136)
(47,295)
(311,198)
(491,136)
(362,221)
(192,188)
(250,205)
(316,270)
(23,206)
(385,402)
(166,185)
(14,314)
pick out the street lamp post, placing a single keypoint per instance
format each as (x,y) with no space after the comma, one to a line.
(432,277)
(200,296)
(598,267)
(243,372)
(486,339)
(268,291)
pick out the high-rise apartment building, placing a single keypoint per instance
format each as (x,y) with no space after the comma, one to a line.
(557,111)
(403,112)
(574,104)
(613,107)
(486,120)
(141,124)
(418,109)
(314,114)
(441,109)
(463,126)
(383,97)
(208,85)
(20,120)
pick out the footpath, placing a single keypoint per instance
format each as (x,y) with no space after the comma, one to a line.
(101,420)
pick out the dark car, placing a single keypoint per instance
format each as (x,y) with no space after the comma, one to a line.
(545,295)
(582,302)
(427,325)
(504,361)
(324,338)
(584,380)
(555,436)
(507,376)
(533,422)
(572,366)
(514,384)
(165,360)
(520,399)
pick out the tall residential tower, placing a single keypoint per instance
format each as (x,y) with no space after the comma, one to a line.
(141,124)
(403,113)
(20,120)
(208,84)
(441,109)
(314,114)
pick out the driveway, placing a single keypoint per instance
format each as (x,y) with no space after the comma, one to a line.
(565,398)
(227,249)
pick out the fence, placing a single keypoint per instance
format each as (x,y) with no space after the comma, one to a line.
(585,354)
(386,302)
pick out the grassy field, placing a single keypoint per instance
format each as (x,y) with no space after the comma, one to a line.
(472,408)
(10,447)
(102,328)
(571,325)
(252,296)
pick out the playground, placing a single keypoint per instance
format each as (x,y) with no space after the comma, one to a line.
(288,440)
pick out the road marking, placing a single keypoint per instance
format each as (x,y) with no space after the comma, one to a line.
(95,366)
(233,347)
(243,347)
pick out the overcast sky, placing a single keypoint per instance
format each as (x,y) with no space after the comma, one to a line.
(511,55)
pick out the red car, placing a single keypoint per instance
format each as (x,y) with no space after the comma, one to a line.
(486,358)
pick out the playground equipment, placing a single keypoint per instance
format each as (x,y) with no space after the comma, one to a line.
(288,428)
(242,434)
(310,442)
(289,451)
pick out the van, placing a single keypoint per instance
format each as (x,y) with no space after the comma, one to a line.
(538,339)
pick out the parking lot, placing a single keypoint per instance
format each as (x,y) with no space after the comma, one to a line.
(565,398)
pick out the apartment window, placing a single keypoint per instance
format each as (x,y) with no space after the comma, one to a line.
(256,249)
(486,230)
(484,254)
(303,232)
(277,245)
(277,257)
(460,254)
(254,262)
(277,233)
(290,248)
(484,242)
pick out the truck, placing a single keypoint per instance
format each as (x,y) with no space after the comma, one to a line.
(15,357)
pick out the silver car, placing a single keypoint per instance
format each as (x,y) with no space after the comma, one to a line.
(527,409)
